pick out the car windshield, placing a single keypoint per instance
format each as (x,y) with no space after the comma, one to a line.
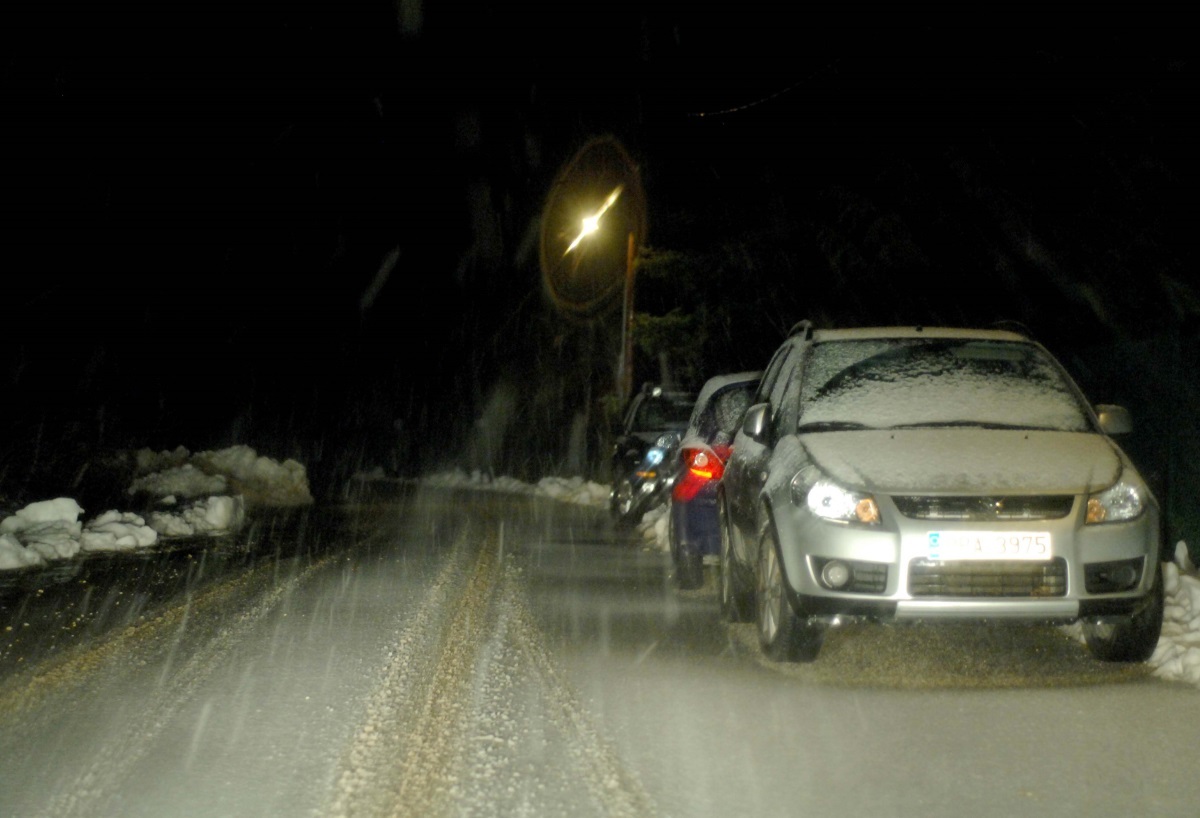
(887,383)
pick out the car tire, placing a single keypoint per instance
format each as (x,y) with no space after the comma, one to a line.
(1132,641)
(735,599)
(624,505)
(782,635)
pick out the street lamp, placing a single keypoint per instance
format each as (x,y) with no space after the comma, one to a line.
(592,224)
(589,226)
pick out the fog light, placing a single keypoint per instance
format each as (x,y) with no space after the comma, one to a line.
(1124,576)
(1112,577)
(836,574)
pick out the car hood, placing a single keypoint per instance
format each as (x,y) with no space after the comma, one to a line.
(966,461)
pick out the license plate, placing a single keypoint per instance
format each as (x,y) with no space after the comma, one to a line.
(989,545)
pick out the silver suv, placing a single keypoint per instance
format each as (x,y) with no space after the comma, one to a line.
(934,474)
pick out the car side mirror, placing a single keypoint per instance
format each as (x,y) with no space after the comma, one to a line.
(754,425)
(1114,420)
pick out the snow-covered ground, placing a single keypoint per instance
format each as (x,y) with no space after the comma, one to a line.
(205,493)
(1177,656)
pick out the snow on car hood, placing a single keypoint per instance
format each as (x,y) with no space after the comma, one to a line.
(967,461)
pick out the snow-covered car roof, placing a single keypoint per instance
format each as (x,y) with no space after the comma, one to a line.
(718,382)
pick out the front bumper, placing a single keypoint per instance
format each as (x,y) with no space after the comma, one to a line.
(895,556)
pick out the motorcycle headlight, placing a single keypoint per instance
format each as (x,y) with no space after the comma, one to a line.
(1121,501)
(828,500)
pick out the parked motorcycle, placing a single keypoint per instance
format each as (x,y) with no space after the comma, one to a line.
(649,484)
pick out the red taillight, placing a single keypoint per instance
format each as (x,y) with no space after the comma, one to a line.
(701,465)
(704,463)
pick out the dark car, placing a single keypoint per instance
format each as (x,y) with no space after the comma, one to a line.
(653,415)
(923,474)
(693,529)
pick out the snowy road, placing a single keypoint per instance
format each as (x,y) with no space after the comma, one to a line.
(458,654)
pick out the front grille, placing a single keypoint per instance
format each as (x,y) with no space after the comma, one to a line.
(1035,507)
(987,578)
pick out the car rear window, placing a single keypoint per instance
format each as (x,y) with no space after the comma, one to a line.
(723,414)
(663,413)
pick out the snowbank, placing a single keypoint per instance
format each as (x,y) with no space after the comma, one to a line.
(211,516)
(1178,653)
(50,530)
(238,470)
(202,494)
(567,489)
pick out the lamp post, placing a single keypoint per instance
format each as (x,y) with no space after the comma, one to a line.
(625,366)
(587,257)
(590,225)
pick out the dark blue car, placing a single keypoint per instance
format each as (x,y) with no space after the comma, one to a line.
(693,529)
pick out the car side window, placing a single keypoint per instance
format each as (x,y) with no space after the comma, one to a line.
(767,383)
(777,388)
(787,416)
(779,406)
(783,403)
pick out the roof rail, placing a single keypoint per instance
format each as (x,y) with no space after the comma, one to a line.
(803,328)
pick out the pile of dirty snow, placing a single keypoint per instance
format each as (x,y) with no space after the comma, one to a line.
(1178,653)
(566,489)
(50,530)
(202,494)
(236,471)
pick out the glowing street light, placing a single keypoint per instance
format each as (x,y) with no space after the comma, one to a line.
(583,276)
(592,223)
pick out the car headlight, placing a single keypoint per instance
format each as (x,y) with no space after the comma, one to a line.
(1121,501)
(828,500)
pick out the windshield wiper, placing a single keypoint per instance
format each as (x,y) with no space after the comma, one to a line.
(830,426)
(974,424)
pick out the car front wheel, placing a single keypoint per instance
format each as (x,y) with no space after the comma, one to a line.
(623,503)
(1132,641)
(782,635)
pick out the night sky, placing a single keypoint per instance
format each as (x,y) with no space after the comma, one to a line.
(199,202)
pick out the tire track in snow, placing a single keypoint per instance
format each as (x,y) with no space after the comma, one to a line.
(612,789)
(427,744)
(370,780)
(426,768)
